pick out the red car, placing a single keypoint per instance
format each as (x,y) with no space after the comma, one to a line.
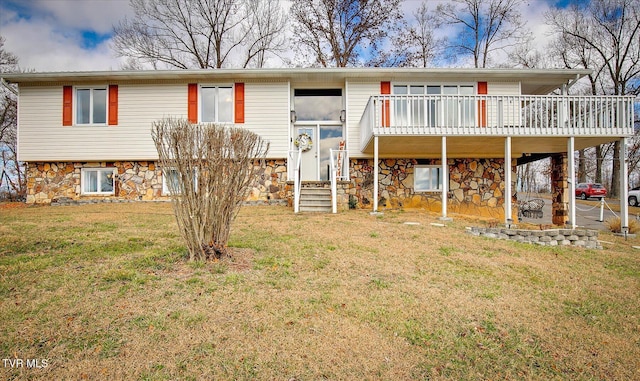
(586,190)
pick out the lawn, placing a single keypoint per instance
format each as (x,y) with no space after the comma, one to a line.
(104,292)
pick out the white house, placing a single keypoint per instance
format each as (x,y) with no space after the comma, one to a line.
(446,140)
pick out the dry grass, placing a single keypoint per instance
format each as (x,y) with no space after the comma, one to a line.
(614,224)
(103,292)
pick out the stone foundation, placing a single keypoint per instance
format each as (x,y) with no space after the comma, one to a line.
(47,182)
(476,186)
(271,182)
(551,237)
(135,180)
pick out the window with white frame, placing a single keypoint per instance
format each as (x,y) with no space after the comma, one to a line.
(427,178)
(91,105)
(414,111)
(97,181)
(216,104)
(171,178)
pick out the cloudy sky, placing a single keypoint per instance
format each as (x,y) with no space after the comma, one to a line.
(71,35)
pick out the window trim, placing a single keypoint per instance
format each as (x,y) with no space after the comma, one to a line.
(442,113)
(165,188)
(83,176)
(439,84)
(76,103)
(217,86)
(438,168)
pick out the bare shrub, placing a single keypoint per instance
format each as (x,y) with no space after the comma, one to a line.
(208,169)
(615,225)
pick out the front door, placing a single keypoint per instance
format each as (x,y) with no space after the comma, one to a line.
(317,129)
(305,139)
(316,140)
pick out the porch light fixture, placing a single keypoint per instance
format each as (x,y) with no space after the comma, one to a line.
(293,117)
(343,115)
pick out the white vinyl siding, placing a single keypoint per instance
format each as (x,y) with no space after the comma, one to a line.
(357,94)
(510,109)
(503,88)
(266,111)
(43,138)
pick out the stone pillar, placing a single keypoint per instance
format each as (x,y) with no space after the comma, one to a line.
(559,189)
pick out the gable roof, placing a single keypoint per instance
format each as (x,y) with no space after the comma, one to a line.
(533,81)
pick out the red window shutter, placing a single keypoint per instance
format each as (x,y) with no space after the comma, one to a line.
(482,104)
(385,89)
(113,105)
(482,88)
(239,102)
(192,103)
(67,105)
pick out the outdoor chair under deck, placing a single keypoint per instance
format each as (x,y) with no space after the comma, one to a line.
(531,208)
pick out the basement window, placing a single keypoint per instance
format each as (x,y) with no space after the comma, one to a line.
(427,178)
(171,177)
(97,181)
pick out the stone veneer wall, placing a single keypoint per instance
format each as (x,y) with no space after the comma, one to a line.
(551,237)
(476,186)
(135,180)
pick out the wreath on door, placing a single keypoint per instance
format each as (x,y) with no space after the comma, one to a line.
(304,142)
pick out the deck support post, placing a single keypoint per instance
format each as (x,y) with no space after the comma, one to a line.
(571,181)
(375,173)
(624,186)
(507,182)
(445,180)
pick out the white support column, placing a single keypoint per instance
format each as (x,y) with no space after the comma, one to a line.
(375,173)
(571,176)
(445,179)
(624,184)
(507,181)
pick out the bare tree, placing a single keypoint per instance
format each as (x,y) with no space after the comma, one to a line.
(203,34)
(341,33)
(12,174)
(208,169)
(265,29)
(425,46)
(486,26)
(611,30)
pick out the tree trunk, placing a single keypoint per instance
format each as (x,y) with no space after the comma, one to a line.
(598,164)
(582,167)
(614,188)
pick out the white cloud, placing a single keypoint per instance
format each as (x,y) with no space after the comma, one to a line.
(47,35)
(96,15)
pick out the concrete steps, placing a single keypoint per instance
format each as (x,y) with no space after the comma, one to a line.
(315,199)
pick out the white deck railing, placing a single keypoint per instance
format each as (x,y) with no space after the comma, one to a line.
(339,170)
(295,158)
(498,115)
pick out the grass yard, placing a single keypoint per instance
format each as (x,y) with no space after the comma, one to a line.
(103,292)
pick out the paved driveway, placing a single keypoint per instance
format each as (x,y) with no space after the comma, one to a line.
(587,215)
